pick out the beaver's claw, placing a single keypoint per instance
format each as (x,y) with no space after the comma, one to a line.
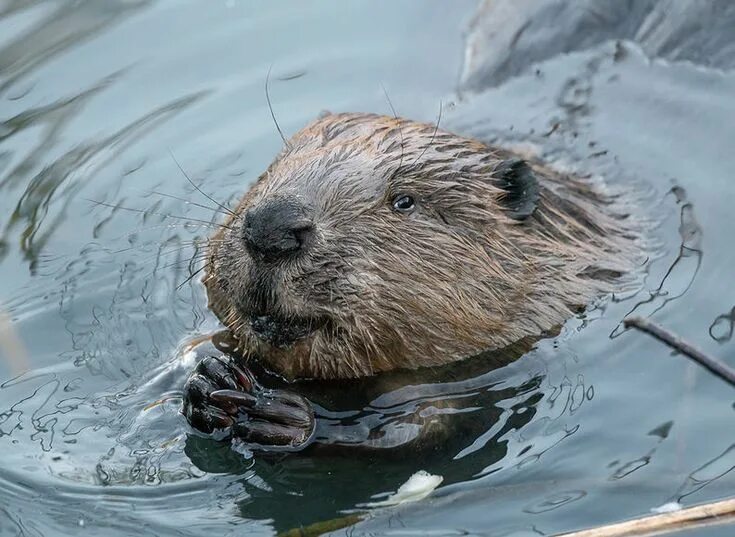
(223,397)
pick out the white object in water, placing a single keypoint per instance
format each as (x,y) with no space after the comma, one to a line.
(667,508)
(418,487)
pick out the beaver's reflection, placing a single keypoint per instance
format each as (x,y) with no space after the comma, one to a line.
(449,421)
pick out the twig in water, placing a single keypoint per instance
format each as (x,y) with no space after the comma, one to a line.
(677,343)
(721,512)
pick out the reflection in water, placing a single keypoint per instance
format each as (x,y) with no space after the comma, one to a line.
(624,469)
(555,501)
(51,119)
(680,275)
(59,31)
(71,170)
(12,348)
(708,473)
(722,327)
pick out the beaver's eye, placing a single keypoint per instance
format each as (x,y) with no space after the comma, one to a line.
(404,203)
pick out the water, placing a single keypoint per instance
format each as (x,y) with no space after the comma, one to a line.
(591,427)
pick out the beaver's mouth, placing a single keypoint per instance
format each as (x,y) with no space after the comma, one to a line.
(283,331)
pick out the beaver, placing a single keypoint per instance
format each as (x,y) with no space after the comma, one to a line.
(374,243)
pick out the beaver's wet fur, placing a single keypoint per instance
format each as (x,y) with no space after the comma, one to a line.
(374,243)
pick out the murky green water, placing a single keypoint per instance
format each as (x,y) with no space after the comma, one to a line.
(594,426)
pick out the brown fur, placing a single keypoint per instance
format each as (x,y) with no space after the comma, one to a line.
(454,278)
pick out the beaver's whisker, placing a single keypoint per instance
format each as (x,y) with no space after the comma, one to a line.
(170,240)
(431,140)
(162,252)
(201,253)
(138,247)
(400,131)
(196,258)
(196,246)
(270,107)
(210,198)
(164,215)
(191,277)
(177,264)
(142,229)
(195,204)
(180,263)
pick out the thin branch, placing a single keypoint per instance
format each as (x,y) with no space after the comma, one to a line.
(677,343)
(708,514)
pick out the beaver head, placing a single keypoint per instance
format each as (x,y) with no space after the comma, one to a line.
(373,243)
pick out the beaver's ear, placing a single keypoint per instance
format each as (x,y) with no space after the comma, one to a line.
(521,188)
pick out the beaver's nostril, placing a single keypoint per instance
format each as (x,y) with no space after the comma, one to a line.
(278,227)
(303,233)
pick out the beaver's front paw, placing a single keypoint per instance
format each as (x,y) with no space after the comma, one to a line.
(222,397)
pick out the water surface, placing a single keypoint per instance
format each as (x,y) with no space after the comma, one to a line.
(95,97)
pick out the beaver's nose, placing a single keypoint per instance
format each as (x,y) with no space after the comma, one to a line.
(278,227)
